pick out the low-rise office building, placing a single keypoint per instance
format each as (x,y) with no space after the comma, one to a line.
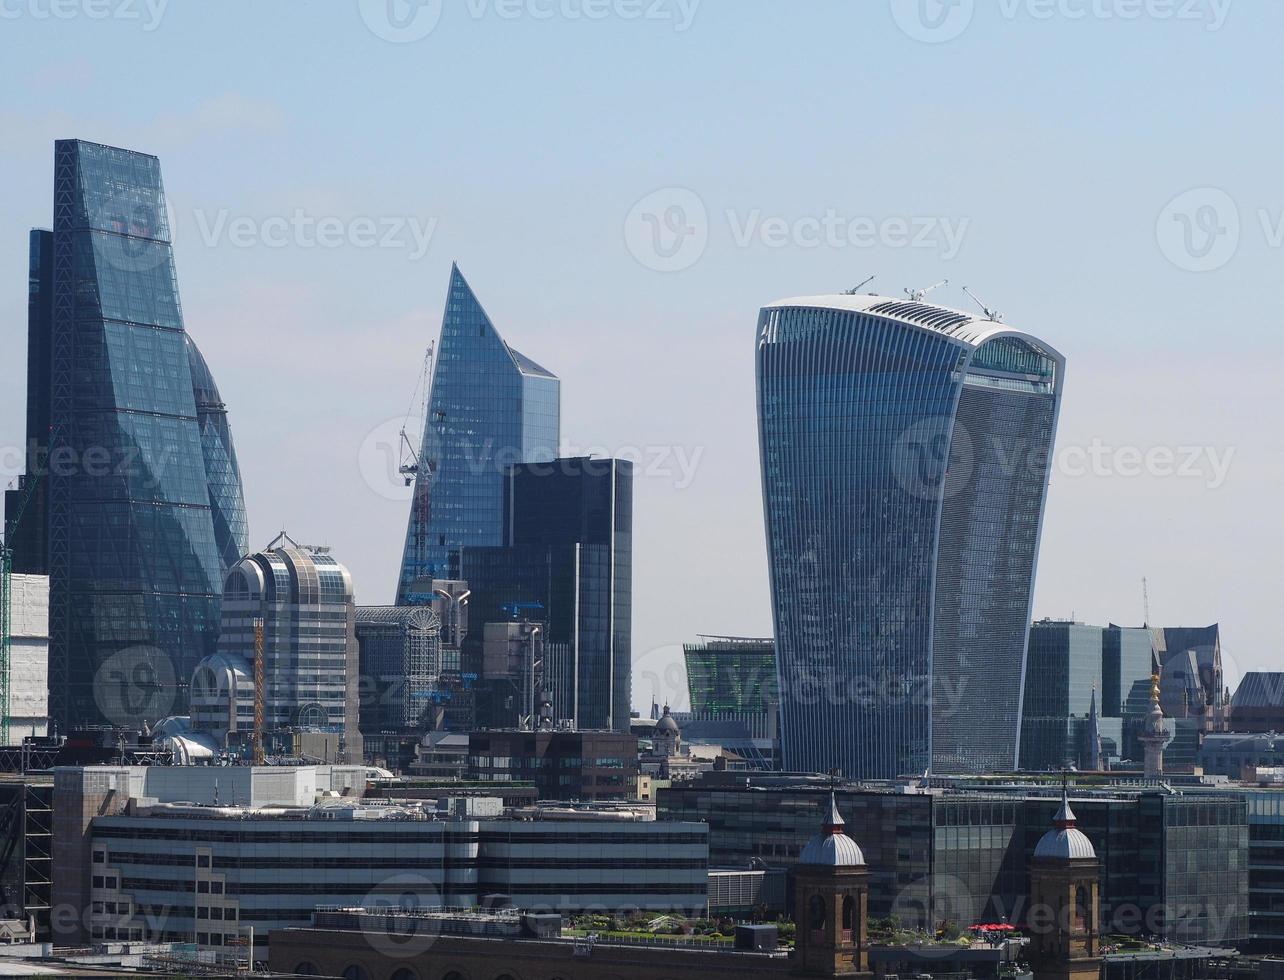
(1172,864)
(161,869)
(563,765)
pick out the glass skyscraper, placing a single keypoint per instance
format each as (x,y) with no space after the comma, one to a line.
(903,449)
(30,536)
(139,463)
(567,561)
(490,408)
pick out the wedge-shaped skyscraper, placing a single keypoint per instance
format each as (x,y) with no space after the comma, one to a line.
(144,497)
(904,457)
(490,408)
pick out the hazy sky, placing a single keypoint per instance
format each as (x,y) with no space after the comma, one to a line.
(625,183)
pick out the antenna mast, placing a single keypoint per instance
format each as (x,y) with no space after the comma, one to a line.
(1145,601)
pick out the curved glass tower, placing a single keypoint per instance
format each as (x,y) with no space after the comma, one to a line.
(904,453)
(134,558)
(222,474)
(490,408)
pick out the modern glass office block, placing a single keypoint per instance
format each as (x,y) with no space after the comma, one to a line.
(490,408)
(26,507)
(1063,671)
(903,450)
(731,675)
(567,562)
(135,565)
(222,474)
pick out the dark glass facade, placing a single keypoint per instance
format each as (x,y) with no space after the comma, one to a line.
(1170,865)
(903,452)
(1063,670)
(1125,670)
(727,674)
(30,536)
(135,563)
(568,560)
(490,408)
(222,474)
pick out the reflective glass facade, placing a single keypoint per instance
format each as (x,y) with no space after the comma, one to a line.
(490,408)
(728,674)
(134,559)
(1063,670)
(222,474)
(29,538)
(903,453)
(568,528)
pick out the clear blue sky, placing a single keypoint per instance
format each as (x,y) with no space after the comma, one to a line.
(1053,139)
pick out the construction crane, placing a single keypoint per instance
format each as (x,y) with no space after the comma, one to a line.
(11,522)
(859,286)
(990,314)
(409,464)
(916,295)
(417,469)
(260,689)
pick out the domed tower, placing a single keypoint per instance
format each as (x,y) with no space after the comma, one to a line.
(667,737)
(831,903)
(1064,911)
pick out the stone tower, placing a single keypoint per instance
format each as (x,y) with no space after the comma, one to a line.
(1064,912)
(831,904)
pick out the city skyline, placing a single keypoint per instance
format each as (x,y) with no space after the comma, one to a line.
(547,250)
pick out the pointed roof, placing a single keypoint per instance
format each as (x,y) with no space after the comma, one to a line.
(523,363)
(832,848)
(1065,842)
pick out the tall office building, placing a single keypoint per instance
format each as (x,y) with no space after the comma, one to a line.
(30,531)
(134,555)
(567,561)
(303,598)
(490,407)
(903,450)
